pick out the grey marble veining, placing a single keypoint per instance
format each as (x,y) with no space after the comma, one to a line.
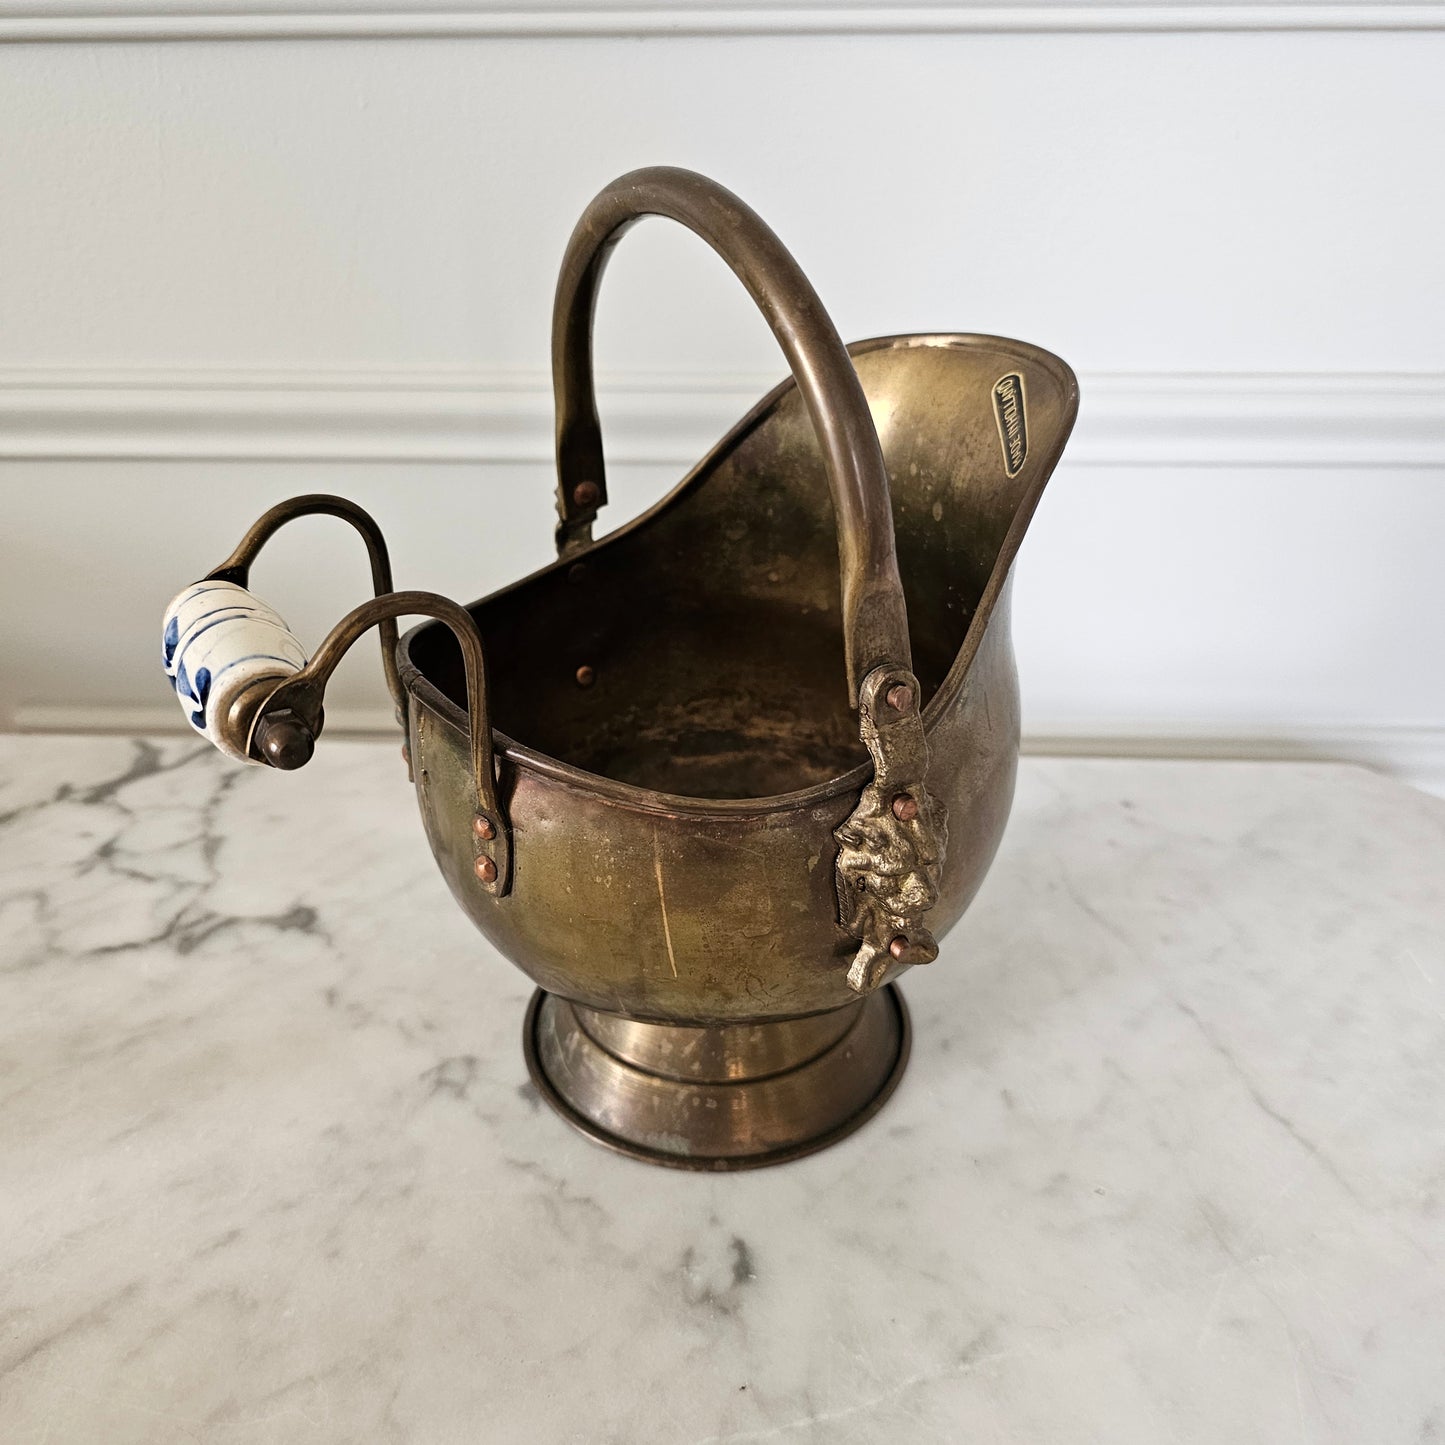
(1168,1164)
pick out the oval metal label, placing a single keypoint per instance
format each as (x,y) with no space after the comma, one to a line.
(1013,433)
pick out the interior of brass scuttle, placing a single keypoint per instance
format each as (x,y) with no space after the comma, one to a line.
(698,651)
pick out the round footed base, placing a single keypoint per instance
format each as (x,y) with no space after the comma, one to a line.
(736,1096)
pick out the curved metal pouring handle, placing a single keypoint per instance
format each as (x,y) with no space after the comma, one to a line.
(290,720)
(891,847)
(277,716)
(237,567)
(875,621)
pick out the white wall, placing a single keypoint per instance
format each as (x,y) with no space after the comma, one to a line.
(234,269)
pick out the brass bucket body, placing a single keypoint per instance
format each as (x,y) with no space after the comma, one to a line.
(673,819)
(714,781)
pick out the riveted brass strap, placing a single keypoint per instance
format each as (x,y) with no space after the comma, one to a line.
(290,720)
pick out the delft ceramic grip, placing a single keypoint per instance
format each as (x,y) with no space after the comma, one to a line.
(220,640)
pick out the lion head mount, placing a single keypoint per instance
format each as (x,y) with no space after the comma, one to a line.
(891,847)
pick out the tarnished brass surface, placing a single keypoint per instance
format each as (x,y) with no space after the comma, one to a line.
(673,824)
(735,1098)
(715,1055)
(712,777)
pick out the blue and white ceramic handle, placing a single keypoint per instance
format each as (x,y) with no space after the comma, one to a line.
(226,652)
(246,684)
(220,641)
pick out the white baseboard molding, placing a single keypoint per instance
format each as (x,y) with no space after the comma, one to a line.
(1414,755)
(90,20)
(1370,419)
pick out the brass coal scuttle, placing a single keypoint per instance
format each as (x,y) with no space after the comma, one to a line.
(715,781)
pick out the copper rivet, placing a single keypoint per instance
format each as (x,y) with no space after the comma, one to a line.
(586,494)
(898,947)
(905,807)
(486,869)
(482,827)
(585,676)
(577,573)
(900,697)
(406,754)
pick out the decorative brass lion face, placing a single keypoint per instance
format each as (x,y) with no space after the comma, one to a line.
(888,878)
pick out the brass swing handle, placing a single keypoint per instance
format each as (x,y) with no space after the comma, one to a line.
(875,622)
(891,847)
(245,683)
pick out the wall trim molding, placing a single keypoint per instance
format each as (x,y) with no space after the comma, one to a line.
(1413,754)
(89,20)
(1279,419)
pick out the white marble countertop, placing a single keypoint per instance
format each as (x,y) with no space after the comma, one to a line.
(1168,1163)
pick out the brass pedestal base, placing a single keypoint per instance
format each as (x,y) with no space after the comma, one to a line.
(733,1097)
